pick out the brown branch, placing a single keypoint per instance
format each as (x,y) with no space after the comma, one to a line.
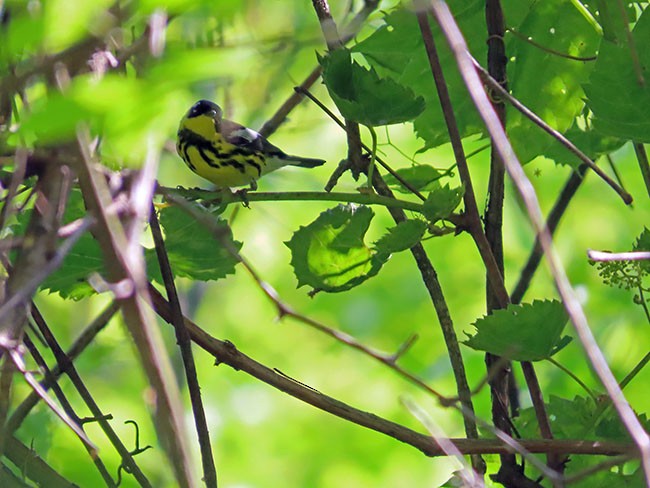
(333,41)
(644,166)
(32,466)
(225,352)
(471,208)
(67,407)
(25,277)
(552,221)
(185,345)
(65,365)
(79,345)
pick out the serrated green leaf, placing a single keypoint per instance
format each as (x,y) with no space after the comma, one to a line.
(362,96)
(329,254)
(397,48)
(619,103)
(442,202)
(527,332)
(642,243)
(422,177)
(193,251)
(553,92)
(403,236)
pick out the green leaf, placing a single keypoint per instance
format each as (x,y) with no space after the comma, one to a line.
(422,177)
(397,49)
(642,243)
(442,202)
(403,236)
(330,255)
(527,332)
(619,103)
(591,142)
(362,96)
(84,259)
(548,84)
(193,250)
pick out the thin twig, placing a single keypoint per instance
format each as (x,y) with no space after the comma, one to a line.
(604,256)
(552,221)
(302,196)
(67,408)
(644,166)
(225,352)
(530,41)
(17,360)
(128,267)
(78,346)
(65,365)
(381,162)
(185,345)
(537,120)
(33,467)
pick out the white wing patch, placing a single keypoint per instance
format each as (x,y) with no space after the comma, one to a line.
(245,133)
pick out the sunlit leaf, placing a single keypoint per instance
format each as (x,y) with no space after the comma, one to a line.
(193,250)
(442,202)
(362,96)
(527,332)
(619,102)
(330,255)
(422,177)
(403,236)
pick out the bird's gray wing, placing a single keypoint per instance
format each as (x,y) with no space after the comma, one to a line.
(248,140)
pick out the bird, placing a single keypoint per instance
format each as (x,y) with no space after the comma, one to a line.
(227,153)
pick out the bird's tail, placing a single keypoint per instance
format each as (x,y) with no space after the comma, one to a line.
(303,162)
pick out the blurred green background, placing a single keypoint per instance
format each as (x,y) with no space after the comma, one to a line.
(247,56)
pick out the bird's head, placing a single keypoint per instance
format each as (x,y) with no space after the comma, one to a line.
(204,118)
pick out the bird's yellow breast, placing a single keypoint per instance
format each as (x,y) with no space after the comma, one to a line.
(211,156)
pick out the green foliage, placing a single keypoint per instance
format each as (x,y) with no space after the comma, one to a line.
(422,177)
(329,254)
(402,237)
(442,202)
(526,332)
(584,418)
(396,49)
(619,102)
(554,92)
(70,280)
(362,96)
(193,251)
(628,275)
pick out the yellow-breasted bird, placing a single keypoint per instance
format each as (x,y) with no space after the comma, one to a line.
(226,153)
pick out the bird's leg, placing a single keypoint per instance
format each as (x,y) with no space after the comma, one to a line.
(243,193)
